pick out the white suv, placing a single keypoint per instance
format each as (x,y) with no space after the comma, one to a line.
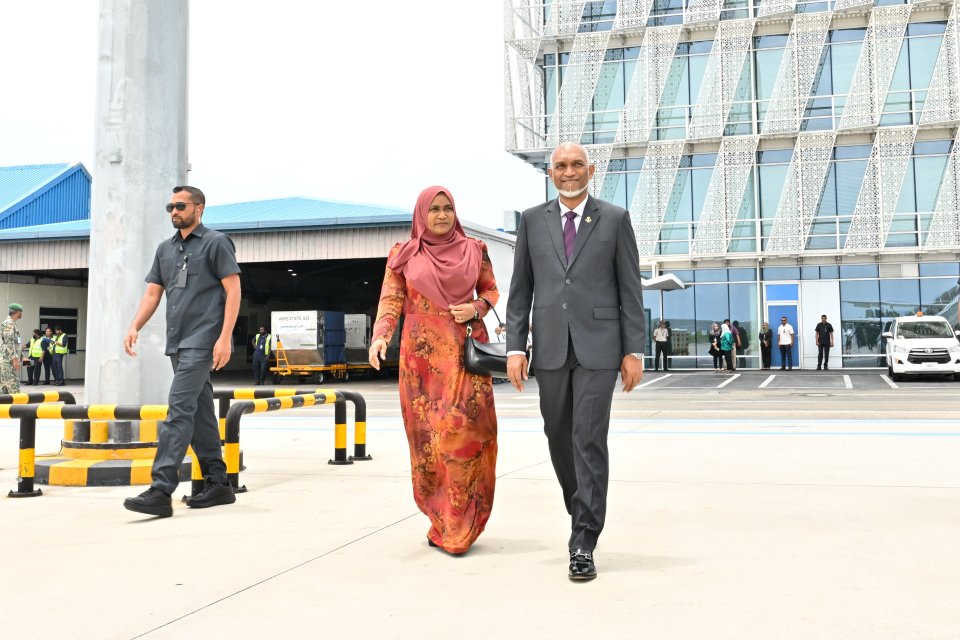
(922,345)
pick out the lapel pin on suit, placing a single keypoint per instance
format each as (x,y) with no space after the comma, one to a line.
(588,219)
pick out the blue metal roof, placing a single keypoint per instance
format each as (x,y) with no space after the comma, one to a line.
(43,194)
(263,215)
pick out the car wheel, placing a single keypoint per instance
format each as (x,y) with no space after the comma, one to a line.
(896,377)
(890,372)
(956,377)
(319,377)
(276,378)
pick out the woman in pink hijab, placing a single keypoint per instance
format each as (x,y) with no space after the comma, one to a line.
(441,281)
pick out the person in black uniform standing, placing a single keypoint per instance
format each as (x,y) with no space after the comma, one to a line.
(766,344)
(824,332)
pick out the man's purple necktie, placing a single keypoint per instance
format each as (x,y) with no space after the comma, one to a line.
(569,233)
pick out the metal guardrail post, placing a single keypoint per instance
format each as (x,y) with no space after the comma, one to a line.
(28,437)
(359,425)
(38,397)
(239,409)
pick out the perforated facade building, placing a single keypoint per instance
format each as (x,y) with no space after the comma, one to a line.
(784,157)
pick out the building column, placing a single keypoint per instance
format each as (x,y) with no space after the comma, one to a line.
(141,154)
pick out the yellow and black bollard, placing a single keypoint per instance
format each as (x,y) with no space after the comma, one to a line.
(340,435)
(28,439)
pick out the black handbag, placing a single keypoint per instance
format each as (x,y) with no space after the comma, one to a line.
(485,358)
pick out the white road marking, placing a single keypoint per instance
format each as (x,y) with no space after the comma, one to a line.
(728,381)
(666,375)
(763,385)
(889,381)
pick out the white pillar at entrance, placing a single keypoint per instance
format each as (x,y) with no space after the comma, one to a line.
(141,154)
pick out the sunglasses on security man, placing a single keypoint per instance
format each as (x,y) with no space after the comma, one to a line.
(179,206)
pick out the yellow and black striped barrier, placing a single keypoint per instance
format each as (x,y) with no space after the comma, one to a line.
(28,414)
(38,398)
(224,398)
(260,405)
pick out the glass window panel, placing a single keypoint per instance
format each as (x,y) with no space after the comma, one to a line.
(908,201)
(742,275)
(782,292)
(712,306)
(698,66)
(937,296)
(926,28)
(859,271)
(772,179)
(901,72)
(929,177)
(828,199)
(684,275)
(823,84)
(849,178)
(901,240)
(680,208)
(776,155)
(852,151)
(781,273)
(634,164)
(679,309)
(822,242)
(844,58)
(703,160)
(768,66)
(711,275)
(899,297)
(810,273)
(932,147)
(771,42)
(676,90)
(700,46)
(829,272)
(744,310)
(940,269)
(923,59)
(860,324)
(847,35)
(701,182)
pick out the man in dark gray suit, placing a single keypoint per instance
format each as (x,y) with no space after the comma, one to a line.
(576,264)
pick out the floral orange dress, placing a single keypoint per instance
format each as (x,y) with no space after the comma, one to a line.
(448,413)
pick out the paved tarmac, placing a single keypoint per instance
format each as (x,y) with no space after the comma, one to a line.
(804,506)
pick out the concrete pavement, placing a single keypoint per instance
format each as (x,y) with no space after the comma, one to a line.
(727,519)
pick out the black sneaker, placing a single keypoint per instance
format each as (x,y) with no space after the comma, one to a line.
(213,494)
(151,502)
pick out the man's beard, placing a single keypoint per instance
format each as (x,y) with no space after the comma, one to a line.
(183,224)
(573,194)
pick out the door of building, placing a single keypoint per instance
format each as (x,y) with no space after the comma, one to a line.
(775,311)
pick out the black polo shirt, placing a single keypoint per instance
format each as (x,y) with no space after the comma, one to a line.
(195,310)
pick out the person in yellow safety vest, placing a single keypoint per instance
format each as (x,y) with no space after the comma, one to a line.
(36,357)
(262,348)
(60,349)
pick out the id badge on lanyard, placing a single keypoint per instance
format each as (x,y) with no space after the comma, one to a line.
(182,275)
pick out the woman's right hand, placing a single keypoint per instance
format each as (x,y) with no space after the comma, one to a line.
(378,352)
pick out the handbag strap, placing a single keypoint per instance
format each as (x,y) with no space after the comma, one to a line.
(495,314)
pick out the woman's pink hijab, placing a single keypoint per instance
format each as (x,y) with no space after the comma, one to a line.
(443,268)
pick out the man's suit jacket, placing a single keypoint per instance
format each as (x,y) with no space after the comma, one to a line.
(595,298)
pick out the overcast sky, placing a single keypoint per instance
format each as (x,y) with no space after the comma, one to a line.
(357,101)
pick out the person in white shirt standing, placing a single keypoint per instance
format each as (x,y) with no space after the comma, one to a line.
(785,342)
(661,338)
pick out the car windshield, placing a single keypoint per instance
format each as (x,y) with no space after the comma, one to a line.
(924,330)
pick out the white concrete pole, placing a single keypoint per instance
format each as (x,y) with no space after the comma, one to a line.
(141,154)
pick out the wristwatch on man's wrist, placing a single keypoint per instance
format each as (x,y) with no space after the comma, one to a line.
(638,356)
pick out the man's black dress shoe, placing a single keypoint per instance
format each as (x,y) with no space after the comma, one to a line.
(581,565)
(213,494)
(152,502)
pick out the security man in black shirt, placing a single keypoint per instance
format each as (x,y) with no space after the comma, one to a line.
(824,331)
(197,269)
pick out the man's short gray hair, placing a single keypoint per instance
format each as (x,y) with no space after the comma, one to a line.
(565,145)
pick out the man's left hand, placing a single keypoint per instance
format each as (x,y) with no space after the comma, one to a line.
(221,353)
(631,371)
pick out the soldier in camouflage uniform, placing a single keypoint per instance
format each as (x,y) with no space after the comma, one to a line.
(10,351)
